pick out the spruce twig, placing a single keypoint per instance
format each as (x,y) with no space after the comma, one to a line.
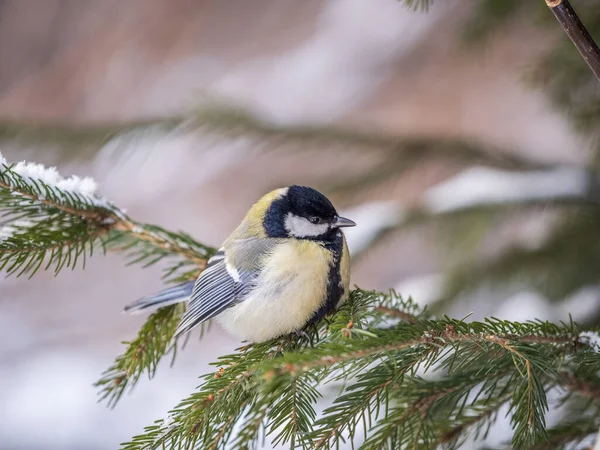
(57,221)
(88,217)
(577,32)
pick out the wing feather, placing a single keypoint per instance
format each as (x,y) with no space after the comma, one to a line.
(216,289)
(213,292)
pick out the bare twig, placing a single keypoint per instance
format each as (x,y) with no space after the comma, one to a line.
(579,35)
(396,313)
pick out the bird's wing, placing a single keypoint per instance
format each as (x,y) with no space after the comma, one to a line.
(225,281)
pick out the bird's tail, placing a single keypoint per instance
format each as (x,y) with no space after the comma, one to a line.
(169,296)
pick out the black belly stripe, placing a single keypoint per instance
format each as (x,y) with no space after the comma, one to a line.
(335,289)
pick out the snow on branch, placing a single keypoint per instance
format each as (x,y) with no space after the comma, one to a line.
(52,221)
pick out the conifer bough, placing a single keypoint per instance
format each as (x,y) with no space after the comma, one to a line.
(399,377)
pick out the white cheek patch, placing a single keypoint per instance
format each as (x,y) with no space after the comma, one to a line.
(300,227)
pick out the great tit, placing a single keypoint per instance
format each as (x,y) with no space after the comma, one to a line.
(286,266)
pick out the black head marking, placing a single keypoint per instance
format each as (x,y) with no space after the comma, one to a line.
(308,202)
(300,201)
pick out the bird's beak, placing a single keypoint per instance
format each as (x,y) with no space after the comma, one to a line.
(343,222)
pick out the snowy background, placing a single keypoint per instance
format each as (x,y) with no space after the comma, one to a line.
(367,64)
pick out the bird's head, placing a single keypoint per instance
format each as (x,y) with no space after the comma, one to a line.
(303,213)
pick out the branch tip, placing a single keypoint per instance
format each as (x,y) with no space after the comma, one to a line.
(577,32)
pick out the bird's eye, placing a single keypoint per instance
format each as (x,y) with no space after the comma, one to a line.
(314,220)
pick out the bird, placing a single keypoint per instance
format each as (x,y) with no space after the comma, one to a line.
(285,267)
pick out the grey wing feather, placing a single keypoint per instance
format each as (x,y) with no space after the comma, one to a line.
(213,292)
(216,290)
(169,296)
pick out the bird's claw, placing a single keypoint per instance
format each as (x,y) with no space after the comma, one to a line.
(304,336)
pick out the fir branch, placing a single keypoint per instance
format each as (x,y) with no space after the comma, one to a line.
(230,121)
(427,333)
(223,399)
(568,434)
(47,213)
(562,265)
(48,218)
(51,218)
(270,389)
(55,222)
(142,355)
(580,386)
(361,403)
(179,244)
(406,425)
(579,35)
(475,418)
(293,412)
(529,409)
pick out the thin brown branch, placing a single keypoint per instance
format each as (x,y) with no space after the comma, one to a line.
(456,431)
(432,338)
(505,345)
(581,387)
(422,407)
(226,426)
(140,233)
(579,35)
(367,399)
(396,313)
(534,339)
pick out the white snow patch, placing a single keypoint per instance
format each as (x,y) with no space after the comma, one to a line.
(85,187)
(590,338)
(371,218)
(8,230)
(581,304)
(37,172)
(479,185)
(2,159)
(526,305)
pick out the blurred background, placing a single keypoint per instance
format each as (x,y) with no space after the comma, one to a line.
(462,140)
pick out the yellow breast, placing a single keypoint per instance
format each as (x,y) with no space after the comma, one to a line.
(290,288)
